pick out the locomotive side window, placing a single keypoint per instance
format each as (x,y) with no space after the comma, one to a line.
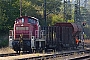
(17,28)
(20,20)
(31,21)
(21,28)
(26,28)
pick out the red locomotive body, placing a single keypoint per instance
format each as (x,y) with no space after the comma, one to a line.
(26,26)
(25,29)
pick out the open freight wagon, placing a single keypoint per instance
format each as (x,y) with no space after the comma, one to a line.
(62,36)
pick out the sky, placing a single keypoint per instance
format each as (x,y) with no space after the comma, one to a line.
(81,2)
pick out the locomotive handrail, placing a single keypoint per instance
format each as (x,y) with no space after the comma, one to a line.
(42,34)
(36,33)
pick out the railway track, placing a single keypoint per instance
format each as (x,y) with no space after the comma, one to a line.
(43,56)
(86,57)
(10,54)
(59,55)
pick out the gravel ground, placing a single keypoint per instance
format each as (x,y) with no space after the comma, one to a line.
(87,41)
(9,50)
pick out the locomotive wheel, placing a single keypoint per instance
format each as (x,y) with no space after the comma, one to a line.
(17,52)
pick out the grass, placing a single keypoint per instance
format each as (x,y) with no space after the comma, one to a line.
(6,50)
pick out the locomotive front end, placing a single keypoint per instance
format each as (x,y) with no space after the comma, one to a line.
(22,35)
(25,34)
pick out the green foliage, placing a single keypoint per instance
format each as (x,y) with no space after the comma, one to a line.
(3,43)
(54,18)
(10,10)
(3,40)
(87,31)
(71,21)
(85,17)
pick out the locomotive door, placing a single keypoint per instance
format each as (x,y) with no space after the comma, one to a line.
(10,38)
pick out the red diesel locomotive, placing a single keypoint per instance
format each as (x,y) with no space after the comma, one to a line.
(25,30)
(28,35)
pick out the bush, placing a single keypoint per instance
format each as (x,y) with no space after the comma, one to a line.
(4,41)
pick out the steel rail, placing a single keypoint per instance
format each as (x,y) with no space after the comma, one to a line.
(56,55)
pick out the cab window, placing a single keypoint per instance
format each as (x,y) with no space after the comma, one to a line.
(31,21)
(20,20)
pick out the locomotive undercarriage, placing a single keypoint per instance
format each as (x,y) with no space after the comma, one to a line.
(21,46)
(25,46)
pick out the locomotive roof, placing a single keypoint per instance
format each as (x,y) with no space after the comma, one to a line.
(27,17)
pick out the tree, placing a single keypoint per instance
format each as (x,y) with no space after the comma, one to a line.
(10,10)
